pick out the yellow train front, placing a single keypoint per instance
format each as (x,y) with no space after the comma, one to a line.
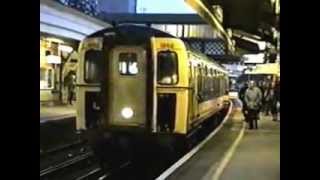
(145,88)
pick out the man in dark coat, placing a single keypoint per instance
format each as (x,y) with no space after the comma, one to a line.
(252,98)
(276,101)
(71,88)
(241,97)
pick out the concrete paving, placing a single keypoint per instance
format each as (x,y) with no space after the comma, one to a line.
(257,157)
(57,112)
(201,165)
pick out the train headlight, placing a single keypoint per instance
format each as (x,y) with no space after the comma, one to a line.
(127,112)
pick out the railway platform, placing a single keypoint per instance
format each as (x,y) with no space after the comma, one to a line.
(57,126)
(50,113)
(236,152)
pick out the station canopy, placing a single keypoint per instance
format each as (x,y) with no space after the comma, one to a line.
(257,17)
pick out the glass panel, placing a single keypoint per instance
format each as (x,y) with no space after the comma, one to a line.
(128,64)
(93,59)
(167,67)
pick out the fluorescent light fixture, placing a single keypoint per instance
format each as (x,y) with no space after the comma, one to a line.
(254,58)
(65,48)
(52,59)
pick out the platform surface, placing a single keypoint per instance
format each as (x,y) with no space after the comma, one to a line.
(257,157)
(57,112)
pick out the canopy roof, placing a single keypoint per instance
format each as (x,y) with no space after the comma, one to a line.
(258,17)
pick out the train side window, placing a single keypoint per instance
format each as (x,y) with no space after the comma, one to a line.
(167,67)
(205,84)
(211,72)
(190,72)
(128,64)
(206,70)
(199,79)
(92,65)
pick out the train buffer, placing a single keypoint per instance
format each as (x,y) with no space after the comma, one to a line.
(235,152)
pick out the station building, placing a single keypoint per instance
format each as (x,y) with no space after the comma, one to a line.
(61,30)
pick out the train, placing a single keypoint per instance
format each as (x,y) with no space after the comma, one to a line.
(142,87)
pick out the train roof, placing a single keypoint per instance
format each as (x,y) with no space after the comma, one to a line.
(131,33)
(205,57)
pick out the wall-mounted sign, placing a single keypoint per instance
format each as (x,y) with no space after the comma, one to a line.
(53,59)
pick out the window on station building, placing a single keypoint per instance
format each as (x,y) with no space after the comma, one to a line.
(92,65)
(128,64)
(167,67)
(50,75)
(185,31)
(172,29)
(46,78)
(179,30)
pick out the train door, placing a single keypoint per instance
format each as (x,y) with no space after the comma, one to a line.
(127,87)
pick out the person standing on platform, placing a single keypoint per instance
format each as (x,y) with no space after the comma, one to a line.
(252,98)
(262,89)
(71,88)
(241,97)
(268,97)
(276,102)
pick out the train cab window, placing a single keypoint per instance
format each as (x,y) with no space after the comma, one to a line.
(93,59)
(167,67)
(128,64)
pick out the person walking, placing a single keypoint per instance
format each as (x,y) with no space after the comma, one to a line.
(252,98)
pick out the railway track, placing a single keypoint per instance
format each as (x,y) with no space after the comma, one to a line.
(69,165)
(60,148)
(81,166)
